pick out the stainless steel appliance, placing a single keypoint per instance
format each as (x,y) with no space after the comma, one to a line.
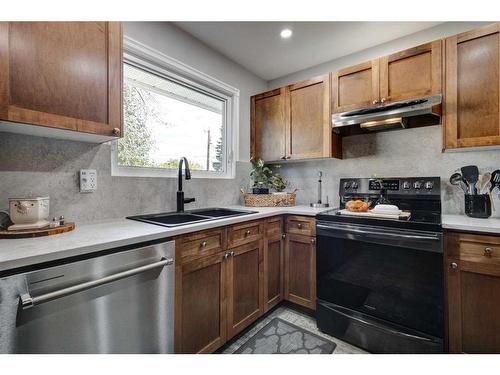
(403,114)
(114,302)
(379,280)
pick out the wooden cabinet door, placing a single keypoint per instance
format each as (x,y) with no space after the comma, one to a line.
(473,286)
(300,270)
(200,319)
(472,94)
(268,125)
(65,75)
(244,286)
(412,73)
(273,270)
(309,131)
(355,87)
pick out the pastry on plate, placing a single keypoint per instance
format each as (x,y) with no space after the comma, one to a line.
(357,206)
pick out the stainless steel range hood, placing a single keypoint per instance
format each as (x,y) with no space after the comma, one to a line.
(403,114)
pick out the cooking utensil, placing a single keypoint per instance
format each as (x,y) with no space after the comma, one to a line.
(458,180)
(495,180)
(471,175)
(483,181)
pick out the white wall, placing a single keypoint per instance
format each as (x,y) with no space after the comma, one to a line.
(176,43)
(437,32)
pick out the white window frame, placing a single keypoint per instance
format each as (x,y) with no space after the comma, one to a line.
(144,57)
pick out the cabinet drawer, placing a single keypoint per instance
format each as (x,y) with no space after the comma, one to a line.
(301,225)
(274,226)
(480,252)
(193,246)
(244,233)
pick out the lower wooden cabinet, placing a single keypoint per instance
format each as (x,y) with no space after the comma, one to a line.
(473,285)
(200,313)
(300,270)
(222,286)
(244,286)
(273,263)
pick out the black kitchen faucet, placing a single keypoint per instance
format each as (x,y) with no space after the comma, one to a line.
(180,194)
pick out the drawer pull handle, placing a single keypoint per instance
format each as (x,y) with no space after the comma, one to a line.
(247,233)
(454,265)
(488,251)
(203,244)
(299,225)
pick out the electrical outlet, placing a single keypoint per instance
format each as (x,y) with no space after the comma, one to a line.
(88,180)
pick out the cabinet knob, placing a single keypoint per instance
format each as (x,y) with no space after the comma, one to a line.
(383,100)
(299,225)
(283,236)
(375,101)
(203,244)
(227,255)
(288,157)
(283,158)
(313,241)
(232,253)
(488,251)
(116,131)
(454,265)
(247,233)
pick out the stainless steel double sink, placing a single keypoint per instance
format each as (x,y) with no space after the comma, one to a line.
(175,219)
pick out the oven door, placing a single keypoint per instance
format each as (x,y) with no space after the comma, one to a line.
(392,275)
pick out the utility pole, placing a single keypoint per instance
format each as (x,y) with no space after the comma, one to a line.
(208,149)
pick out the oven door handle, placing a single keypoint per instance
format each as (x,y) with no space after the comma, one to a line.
(27,301)
(352,229)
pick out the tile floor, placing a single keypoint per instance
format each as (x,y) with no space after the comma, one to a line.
(293,316)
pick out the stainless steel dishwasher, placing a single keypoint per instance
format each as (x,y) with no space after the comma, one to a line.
(119,302)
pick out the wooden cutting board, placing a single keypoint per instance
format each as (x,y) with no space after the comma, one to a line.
(27,233)
(404,214)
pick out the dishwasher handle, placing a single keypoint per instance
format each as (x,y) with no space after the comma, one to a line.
(27,301)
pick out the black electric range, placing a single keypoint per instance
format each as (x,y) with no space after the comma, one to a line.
(380,281)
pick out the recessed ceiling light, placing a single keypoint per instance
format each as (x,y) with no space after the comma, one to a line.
(286,33)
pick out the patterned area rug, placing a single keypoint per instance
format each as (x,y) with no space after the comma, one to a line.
(281,337)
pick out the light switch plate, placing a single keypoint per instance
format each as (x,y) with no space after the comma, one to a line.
(88,180)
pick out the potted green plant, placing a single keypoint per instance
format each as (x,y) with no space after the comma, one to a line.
(261,177)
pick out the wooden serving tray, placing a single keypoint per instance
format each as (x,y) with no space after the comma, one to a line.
(403,214)
(27,233)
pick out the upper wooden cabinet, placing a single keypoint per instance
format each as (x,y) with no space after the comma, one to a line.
(63,75)
(309,131)
(355,87)
(473,286)
(293,122)
(472,98)
(268,137)
(411,73)
(408,74)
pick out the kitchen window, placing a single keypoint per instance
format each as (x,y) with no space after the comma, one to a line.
(169,111)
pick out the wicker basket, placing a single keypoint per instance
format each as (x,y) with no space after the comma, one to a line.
(269,200)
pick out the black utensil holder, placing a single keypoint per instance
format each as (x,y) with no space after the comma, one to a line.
(478,206)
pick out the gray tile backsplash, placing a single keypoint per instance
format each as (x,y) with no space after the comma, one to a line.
(410,152)
(35,166)
(43,166)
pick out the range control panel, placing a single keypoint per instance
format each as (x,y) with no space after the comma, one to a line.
(394,185)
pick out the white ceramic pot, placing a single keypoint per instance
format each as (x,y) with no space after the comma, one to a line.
(29,212)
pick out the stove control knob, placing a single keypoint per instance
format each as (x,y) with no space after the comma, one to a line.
(417,185)
(429,185)
(354,185)
(347,184)
(406,185)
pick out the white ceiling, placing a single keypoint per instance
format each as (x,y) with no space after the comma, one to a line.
(258,46)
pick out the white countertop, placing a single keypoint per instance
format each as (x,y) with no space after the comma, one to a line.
(470,224)
(105,235)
